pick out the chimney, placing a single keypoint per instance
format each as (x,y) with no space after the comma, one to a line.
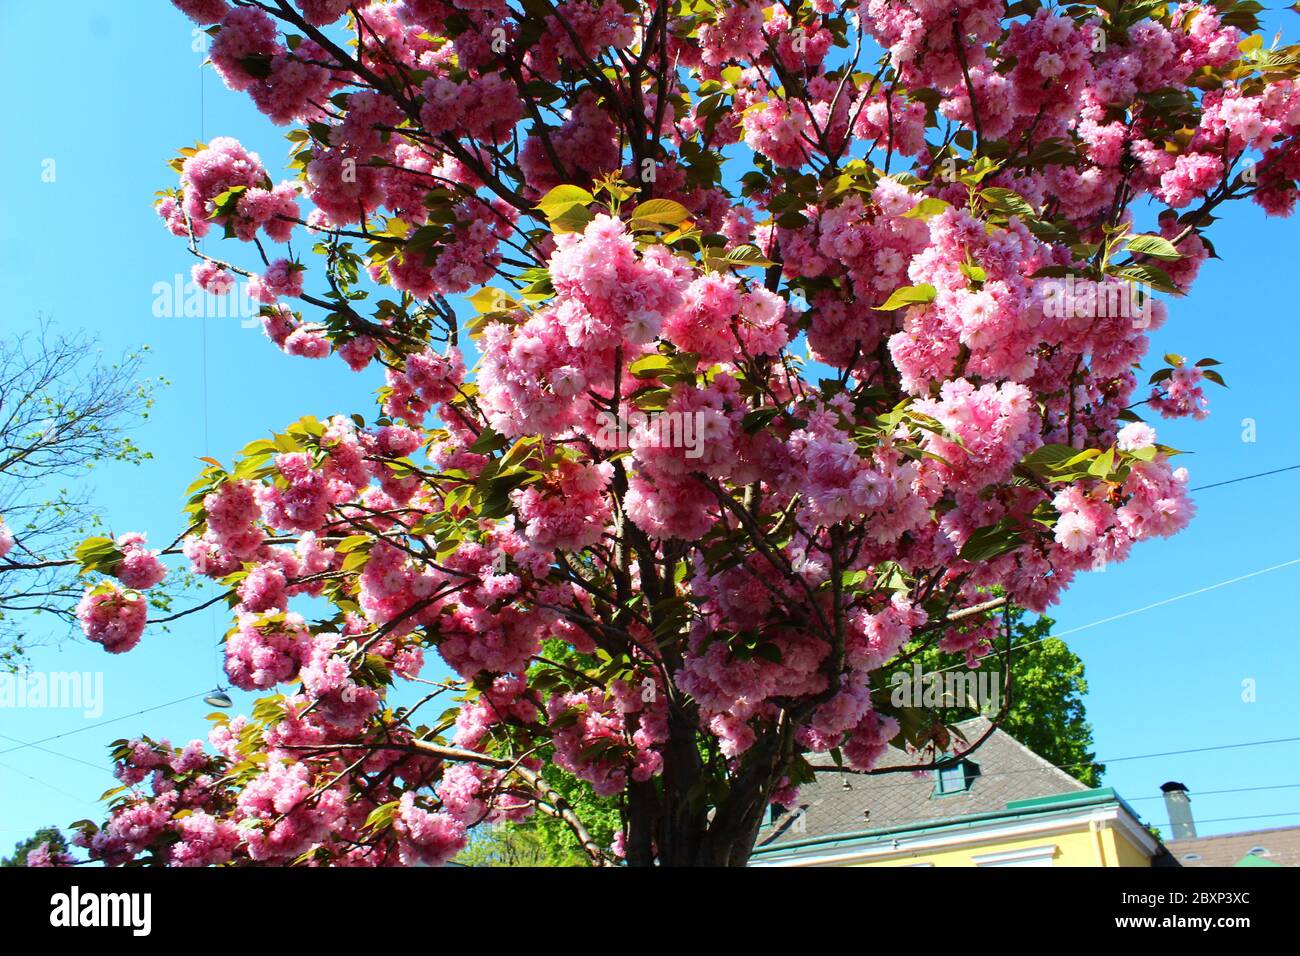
(1179,806)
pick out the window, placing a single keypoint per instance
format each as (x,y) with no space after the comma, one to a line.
(1258,851)
(955,779)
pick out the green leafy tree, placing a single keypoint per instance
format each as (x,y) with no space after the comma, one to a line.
(1046,711)
(552,836)
(518,845)
(50,835)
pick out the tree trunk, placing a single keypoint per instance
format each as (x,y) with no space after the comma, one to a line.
(675,827)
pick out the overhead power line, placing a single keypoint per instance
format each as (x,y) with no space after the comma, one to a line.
(1233,481)
(1123,614)
(101,723)
(1201,750)
(45,783)
(1253,816)
(53,753)
(1067,767)
(1214,793)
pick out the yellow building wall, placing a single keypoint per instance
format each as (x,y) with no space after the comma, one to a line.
(1082,847)
(1123,850)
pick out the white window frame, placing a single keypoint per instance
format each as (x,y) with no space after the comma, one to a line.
(1029,856)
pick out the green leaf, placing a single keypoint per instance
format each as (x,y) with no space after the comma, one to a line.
(908,295)
(565,207)
(1157,247)
(852,579)
(651,399)
(1008,201)
(651,366)
(748,255)
(355,560)
(561,198)
(1050,459)
(758,419)
(521,451)
(659,212)
(573,219)
(1104,464)
(989,542)
(381,817)
(488,441)
(1147,274)
(488,300)
(351,543)
(927,207)
(97,554)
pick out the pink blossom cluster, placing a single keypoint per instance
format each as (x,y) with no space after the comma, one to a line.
(232,534)
(428,379)
(279,816)
(213,172)
(426,837)
(506,700)
(586,145)
(265,650)
(1181,395)
(285,84)
(112,617)
(45,855)
(570,511)
(281,278)
(138,568)
(294,337)
(594,742)
(987,430)
(467,257)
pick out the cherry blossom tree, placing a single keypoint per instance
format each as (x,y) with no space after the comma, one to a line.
(806,337)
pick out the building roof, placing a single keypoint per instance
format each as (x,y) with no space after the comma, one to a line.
(1280,846)
(1009,772)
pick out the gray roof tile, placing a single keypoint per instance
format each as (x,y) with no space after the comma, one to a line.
(1281,845)
(1009,771)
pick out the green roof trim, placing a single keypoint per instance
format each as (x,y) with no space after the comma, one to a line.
(1251,859)
(1015,810)
(1062,799)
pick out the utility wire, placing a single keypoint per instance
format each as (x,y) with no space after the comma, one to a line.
(1233,481)
(1212,793)
(46,783)
(54,753)
(1199,750)
(203,335)
(1065,768)
(101,723)
(1253,816)
(1124,614)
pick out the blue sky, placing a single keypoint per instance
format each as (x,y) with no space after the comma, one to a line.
(87,251)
